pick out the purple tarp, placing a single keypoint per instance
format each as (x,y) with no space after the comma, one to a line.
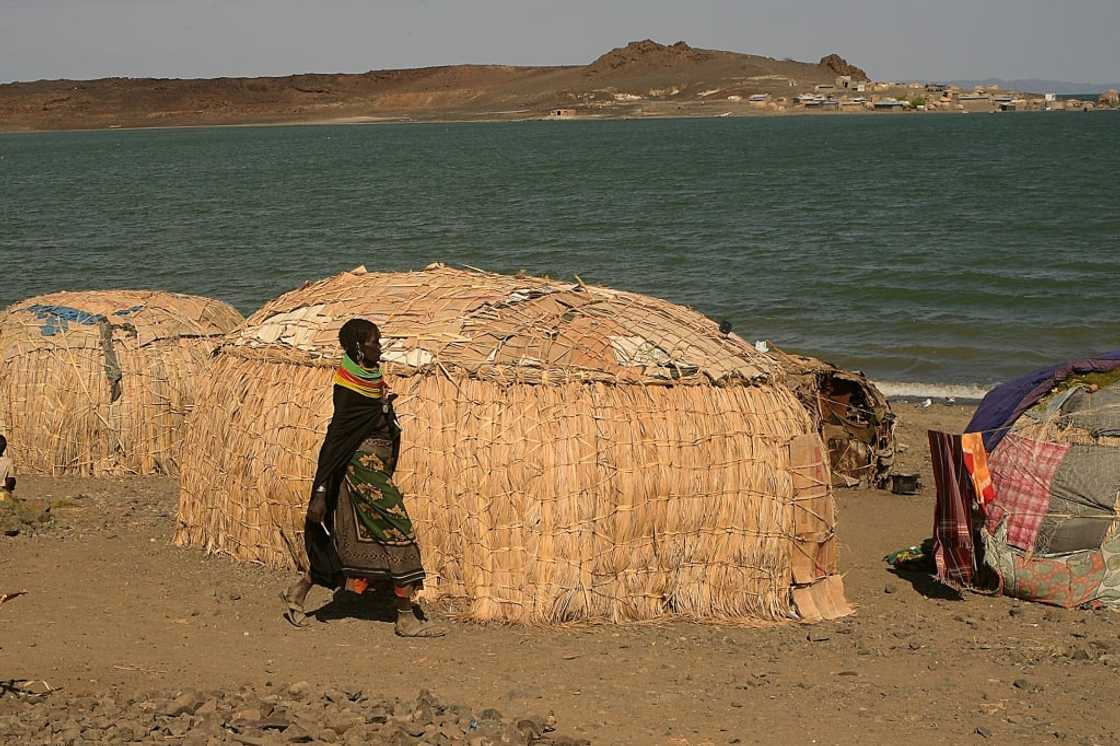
(1003,404)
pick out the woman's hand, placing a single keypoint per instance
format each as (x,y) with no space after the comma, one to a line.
(317,509)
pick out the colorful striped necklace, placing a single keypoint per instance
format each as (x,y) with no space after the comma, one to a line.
(352,376)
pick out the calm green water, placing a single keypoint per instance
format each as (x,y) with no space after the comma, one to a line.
(935,249)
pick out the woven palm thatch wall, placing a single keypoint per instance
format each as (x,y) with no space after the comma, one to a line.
(99,383)
(570,452)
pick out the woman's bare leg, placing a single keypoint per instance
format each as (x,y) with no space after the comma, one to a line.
(408,624)
(294,599)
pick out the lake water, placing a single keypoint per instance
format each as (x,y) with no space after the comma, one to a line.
(925,250)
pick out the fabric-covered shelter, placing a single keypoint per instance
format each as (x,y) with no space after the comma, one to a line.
(569,452)
(1031,492)
(99,383)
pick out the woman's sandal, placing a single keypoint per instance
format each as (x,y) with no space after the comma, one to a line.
(294,613)
(409,625)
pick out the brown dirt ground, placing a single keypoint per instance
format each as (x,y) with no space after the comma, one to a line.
(113,604)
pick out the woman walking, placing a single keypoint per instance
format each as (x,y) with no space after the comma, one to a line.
(357,529)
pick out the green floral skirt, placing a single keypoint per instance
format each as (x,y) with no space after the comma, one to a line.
(373,533)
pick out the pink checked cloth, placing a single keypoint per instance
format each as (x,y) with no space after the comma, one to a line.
(1022,472)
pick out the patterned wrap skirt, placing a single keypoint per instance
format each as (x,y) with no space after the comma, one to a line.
(373,533)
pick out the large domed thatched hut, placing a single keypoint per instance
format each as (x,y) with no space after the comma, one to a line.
(99,383)
(570,452)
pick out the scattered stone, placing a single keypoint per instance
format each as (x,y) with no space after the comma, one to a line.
(299,688)
(1020,683)
(185,704)
(255,715)
(890,588)
(983,732)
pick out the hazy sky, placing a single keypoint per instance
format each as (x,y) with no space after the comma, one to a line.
(892,39)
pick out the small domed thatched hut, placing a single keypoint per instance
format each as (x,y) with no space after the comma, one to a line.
(99,383)
(570,452)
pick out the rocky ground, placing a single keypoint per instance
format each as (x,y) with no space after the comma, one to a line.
(31,712)
(123,636)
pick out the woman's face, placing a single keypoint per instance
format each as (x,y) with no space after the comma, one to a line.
(371,350)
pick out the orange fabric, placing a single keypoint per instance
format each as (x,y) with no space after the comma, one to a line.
(976,461)
(357,585)
(402,591)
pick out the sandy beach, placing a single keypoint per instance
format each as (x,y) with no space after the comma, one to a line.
(115,613)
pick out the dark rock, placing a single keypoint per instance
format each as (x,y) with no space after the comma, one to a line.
(340,722)
(299,689)
(184,704)
(179,726)
(416,730)
(1020,684)
(841,66)
(490,714)
(377,714)
(424,714)
(983,732)
(532,728)
(297,734)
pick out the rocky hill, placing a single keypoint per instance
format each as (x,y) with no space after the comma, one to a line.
(665,78)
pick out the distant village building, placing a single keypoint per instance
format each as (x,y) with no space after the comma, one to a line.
(845,83)
(975,102)
(825,87)
(889,104)
(759,98)
(936,88)
(562,114)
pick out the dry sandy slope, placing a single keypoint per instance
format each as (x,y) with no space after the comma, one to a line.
(114,605)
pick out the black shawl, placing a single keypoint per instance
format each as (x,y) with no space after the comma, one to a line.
(356,418)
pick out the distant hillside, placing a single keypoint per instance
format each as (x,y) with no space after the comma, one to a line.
(1034,85)
(664,79)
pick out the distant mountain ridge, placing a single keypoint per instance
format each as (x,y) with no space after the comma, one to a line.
(1036,85)
(639,79)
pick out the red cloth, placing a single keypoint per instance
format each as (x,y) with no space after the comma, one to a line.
(953,550)
(1022,472)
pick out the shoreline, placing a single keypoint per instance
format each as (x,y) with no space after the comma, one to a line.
(409,119)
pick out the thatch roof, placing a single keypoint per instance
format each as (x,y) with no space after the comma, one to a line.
(504,328)
(569,452)
(99,382)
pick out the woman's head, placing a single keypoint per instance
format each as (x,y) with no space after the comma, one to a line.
(361,340)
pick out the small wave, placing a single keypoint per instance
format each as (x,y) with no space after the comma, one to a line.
(960,392)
